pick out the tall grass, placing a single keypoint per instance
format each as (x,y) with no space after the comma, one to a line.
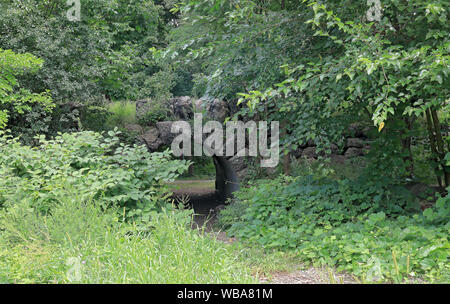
(81,243)
(123,113)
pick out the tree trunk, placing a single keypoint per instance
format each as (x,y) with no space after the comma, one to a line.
(441,147)
(286,157)
(287,164)
(437,148)
(406,143)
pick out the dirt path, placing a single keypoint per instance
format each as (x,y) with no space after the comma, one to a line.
(202,198)
(309,276)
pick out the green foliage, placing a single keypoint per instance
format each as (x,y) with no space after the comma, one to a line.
(98,167)
(377,72)
(345,224)
(15,100)
(81,242)
(123,113)
(158,87)
(23,221)
(440,212)
(202,168)
(85,208)
(322,65)
(314,66)
(107,53)
(158,111)
(228,48)
(95,118)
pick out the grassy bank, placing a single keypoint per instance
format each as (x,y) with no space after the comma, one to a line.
(80,243)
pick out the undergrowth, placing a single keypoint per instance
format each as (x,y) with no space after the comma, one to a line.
(373,231)
(86,208)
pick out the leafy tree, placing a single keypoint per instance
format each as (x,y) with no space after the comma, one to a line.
(16,100)
(106,54)
(391,73)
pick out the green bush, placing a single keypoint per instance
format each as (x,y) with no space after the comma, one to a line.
(113,59)
(22,109)
(350,225)
(97,166)
(158,112)
(95,118)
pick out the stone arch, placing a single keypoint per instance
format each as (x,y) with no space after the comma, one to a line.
(229,170)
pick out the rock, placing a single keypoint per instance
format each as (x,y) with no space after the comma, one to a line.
(366,149)
(199,105)
(309,152)
(421,190)
(218,110)
(164,128)
(338,159)
(151,139)
(134,128)
(239,163)
(142,107)
(297,153)
(353,152)
(183,107)
(355,142)
(242,173)
(271,171)
(218,208)
(334,149)
(357,130)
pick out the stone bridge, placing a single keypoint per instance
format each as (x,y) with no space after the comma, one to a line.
(230,170)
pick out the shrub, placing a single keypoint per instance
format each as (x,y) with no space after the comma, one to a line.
(202,168)
(94,118)
(345,224)
(97,166)
(85,208)
(19,106)
(157,112)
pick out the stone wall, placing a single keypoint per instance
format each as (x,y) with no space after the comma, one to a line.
(355,144)
(183,108)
